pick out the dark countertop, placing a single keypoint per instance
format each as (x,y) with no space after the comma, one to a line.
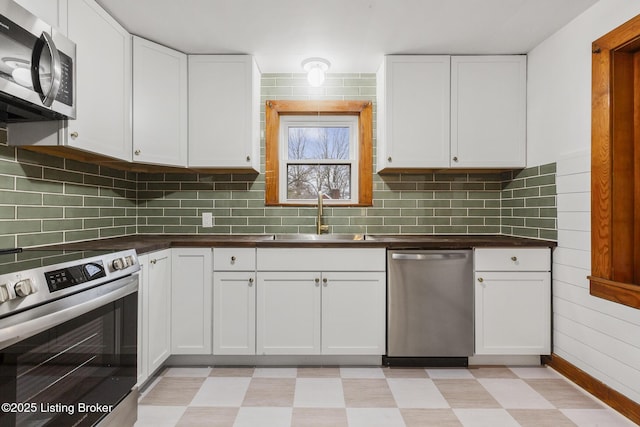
(149,243)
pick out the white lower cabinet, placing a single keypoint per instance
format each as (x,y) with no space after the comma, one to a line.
(513,301)
(336,310)
(191,301)
(288,313)
(234,313)
(234,301)
(154,317)
(353,313)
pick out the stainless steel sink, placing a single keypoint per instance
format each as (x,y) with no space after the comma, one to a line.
(318,237)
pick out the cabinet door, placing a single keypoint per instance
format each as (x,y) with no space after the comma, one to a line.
(143,321)
(288,313)
(234,313)
(224,112)
(53,12)
(512,312)
(413,112)
(488,111)
(191,276)
(103,93)
(159,104)
(158,275)
(353,313)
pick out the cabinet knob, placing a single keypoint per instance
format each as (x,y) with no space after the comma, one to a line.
(233,259)
(248,158)
(73,135)
(250,281)
(317,280)
(325,281)
(514,258)
(137,152)
(455,159)
(153,261)
(480,279)
(389,159)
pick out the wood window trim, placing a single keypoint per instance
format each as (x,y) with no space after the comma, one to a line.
(362,109)
(615,152)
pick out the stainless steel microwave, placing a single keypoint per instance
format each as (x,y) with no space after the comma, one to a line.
(37,68)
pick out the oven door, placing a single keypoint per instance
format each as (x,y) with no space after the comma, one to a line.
(76,369)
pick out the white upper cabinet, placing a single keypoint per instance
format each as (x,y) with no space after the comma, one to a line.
(159,104)
(224,108)
(413,112)
(103,89)
(451,112)
(488,111)
(103,123)
(53,12)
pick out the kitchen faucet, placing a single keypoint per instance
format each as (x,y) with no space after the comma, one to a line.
(321,228)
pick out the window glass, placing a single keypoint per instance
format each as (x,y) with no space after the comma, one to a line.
(319,155)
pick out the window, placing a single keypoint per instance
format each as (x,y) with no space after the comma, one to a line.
(318,155)
(615,166)
(318,146)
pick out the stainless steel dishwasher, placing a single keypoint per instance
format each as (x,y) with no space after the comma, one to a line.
(430,307)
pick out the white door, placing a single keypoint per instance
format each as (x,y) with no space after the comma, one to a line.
(159,104)
(191,275)
(353,313)
(512,312)
(103,93)
(288,313)
(234,313)
(223,111)
(488,111)
(159,308)
(413,112)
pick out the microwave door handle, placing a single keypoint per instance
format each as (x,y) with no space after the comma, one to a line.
(56,69)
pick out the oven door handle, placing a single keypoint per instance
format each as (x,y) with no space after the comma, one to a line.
(29,323)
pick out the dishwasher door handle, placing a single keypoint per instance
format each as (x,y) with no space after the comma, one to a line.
(426,257)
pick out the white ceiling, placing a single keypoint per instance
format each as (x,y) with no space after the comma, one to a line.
(352,34)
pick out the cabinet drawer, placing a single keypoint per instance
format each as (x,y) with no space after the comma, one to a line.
(512,259)
(234,259)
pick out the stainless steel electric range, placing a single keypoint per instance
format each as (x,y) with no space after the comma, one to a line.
(68,337)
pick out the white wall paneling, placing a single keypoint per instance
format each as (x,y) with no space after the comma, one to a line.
(597,336)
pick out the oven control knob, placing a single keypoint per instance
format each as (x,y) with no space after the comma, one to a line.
(24,288)
(117,264)
(4,293)
(122,263)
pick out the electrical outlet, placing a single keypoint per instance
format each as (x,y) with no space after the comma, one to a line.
(207,219)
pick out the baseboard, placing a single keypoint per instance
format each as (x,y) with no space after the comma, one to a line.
(273,360)
(611,397)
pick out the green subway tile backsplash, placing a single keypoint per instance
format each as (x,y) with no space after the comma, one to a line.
(45,199)
(529,202)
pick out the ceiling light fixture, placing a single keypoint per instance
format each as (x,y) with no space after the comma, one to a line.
(315,68)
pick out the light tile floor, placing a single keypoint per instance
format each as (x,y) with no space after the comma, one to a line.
(370,397)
